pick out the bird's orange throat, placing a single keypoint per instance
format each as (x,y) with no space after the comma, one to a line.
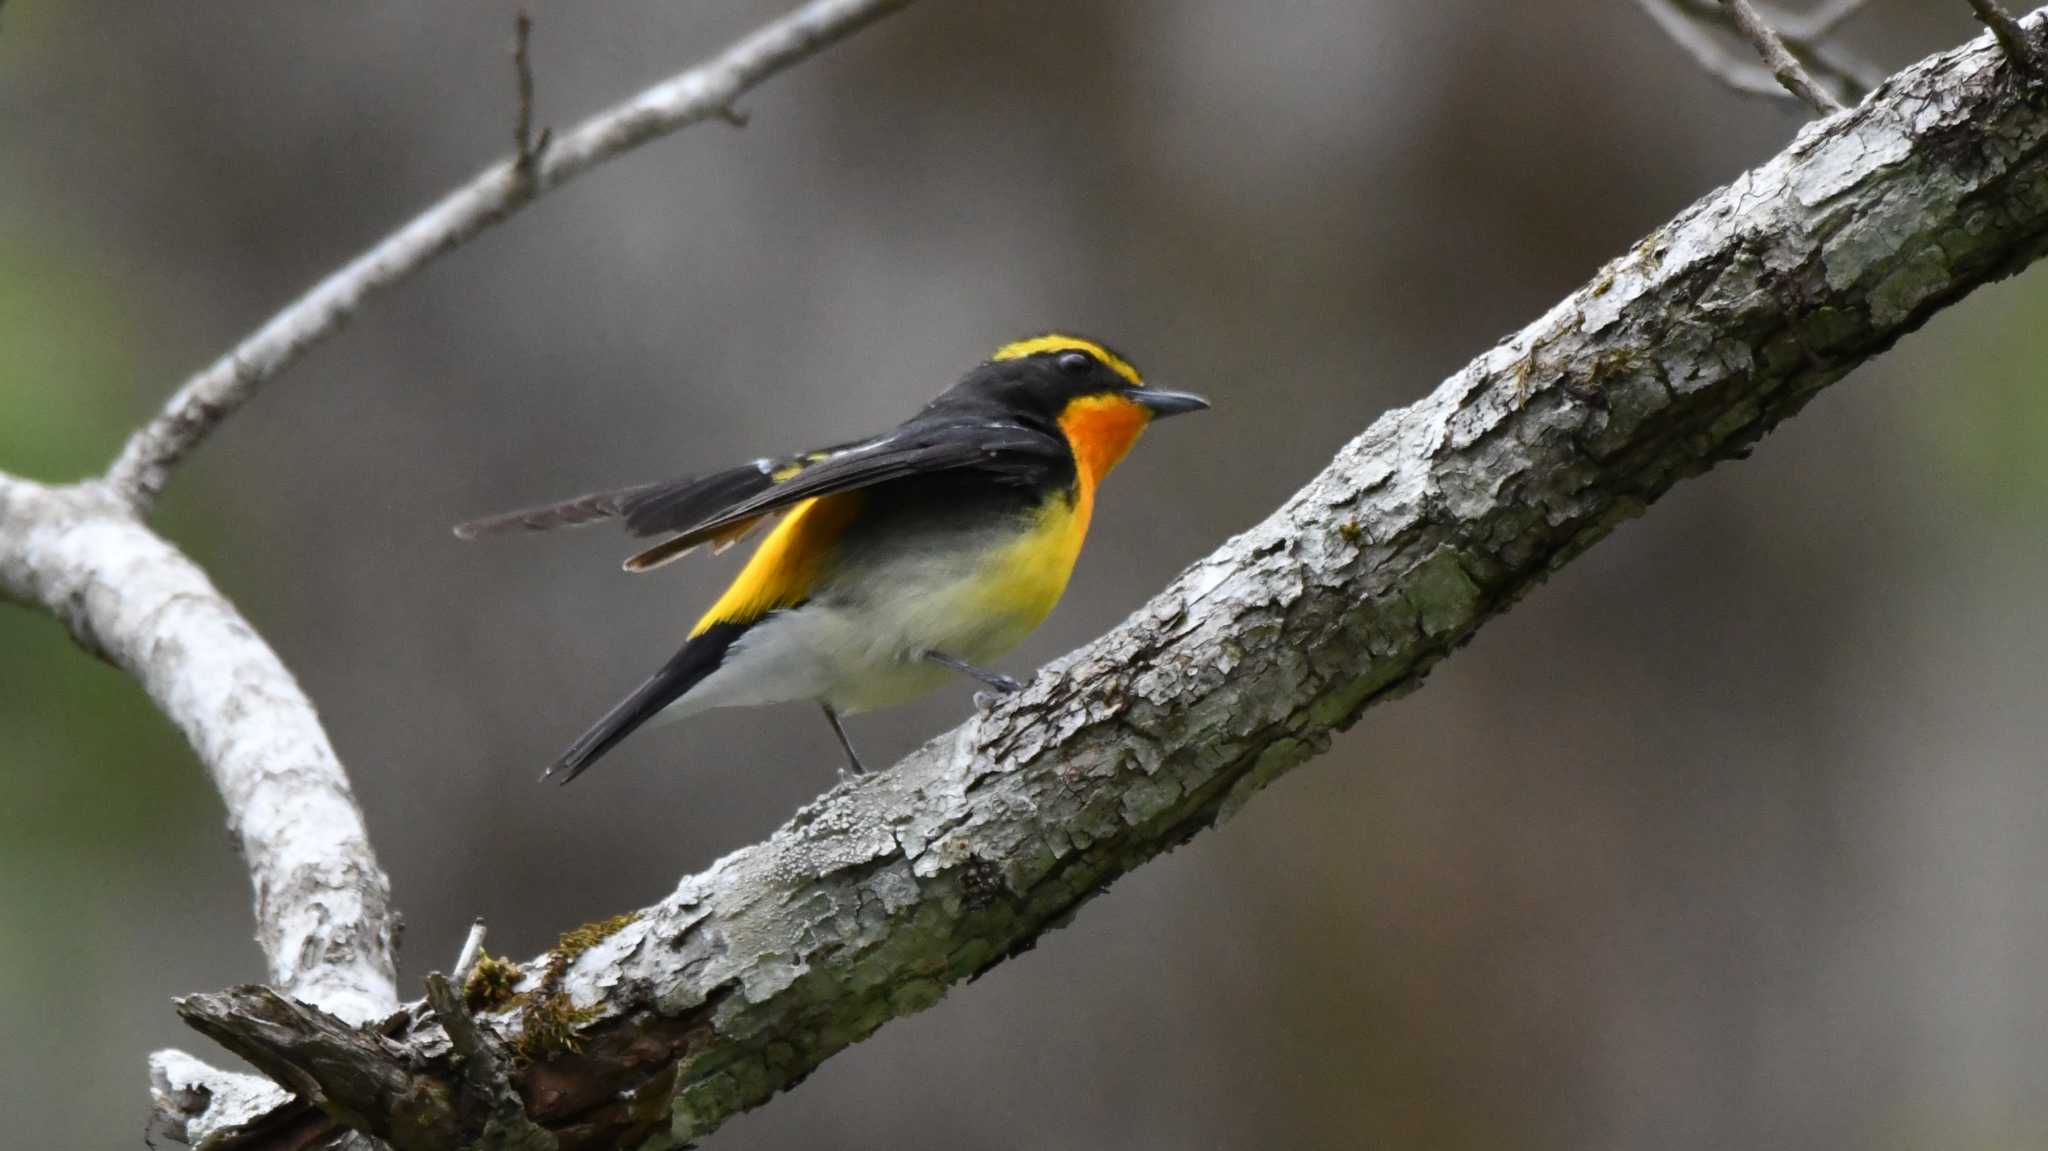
(1100,429)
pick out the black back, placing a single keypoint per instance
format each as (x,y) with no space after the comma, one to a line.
(998,425)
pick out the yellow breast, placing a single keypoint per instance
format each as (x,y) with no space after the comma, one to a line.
(1025,578)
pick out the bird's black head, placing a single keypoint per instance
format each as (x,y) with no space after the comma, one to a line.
(1093,397)
(1044,375)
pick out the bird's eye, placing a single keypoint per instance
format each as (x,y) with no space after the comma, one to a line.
(1075,363)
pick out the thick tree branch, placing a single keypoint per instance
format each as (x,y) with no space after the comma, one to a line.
(706,91)
(323,906)
(654,1029)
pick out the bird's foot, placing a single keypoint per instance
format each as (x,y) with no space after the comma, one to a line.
(994,679)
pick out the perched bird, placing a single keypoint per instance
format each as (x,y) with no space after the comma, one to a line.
(899,560)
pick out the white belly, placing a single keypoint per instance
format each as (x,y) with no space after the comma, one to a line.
(859,654)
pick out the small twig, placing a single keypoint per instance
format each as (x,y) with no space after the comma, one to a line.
(472,950)
(526,150)
(1783,65)
(2009,34)
(1695,26)
(1737,73)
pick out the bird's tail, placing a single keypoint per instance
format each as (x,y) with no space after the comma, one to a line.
(698,658)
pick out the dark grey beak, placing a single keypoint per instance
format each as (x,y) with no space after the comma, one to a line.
(1165,403)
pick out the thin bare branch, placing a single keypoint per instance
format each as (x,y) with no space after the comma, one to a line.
(1737,72)
(704,92)
(876,898)
(1707,31)
(1788,71)
(2009,34)
(525,149)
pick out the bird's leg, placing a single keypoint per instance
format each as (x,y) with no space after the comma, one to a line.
(994,679)
(845,744)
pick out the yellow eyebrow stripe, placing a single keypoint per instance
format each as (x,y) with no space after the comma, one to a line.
(1058,342)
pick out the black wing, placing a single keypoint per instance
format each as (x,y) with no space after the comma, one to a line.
(651,509)
(996,447)
(721,507)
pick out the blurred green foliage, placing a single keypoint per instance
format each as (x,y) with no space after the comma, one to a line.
(100,787)
(66,365)
(1988,419)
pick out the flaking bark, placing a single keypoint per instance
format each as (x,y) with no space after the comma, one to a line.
(874,899)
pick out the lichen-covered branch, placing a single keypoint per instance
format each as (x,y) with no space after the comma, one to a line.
(653,1029)
(707,91)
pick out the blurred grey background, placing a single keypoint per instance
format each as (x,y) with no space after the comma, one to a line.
(1734,835)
